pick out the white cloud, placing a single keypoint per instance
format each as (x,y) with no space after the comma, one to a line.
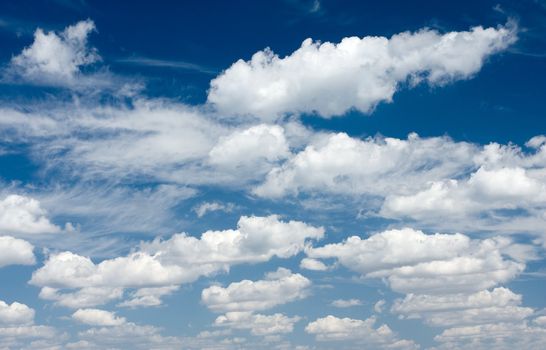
(258,324)
(146,297)
(82,298)
(378,307)
(250,147)
(410,261)
(96,317)
(339,164)
(28,332)
(343,303)
(312,264)
(15,314)
(331,328)
(14,251)
(167,263)
(206,207)
(56,58)
(330,79)
(485,189)
(280,288)
(498,305)
(494,335)
(24,215)
(130,335)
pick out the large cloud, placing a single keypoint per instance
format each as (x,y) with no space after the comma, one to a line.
(497,305)
(413,262)
(163,263)
(329,79)
(339,164)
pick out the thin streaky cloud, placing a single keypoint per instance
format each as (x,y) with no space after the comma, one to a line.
(153,62)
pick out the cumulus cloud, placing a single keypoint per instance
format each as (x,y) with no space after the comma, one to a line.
(15,251)
(339,164)
(411,261)
(312,264)
(167,263)
(258,324)
(84,297)
(56,58)
(129,334)
(506,335)
(249,147)
(331,328)
(498,305)
(280,288)
(24,215)
(146,297)
(15,314)
(358,73)
(96,317)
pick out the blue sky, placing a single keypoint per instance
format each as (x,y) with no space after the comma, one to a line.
(285,175)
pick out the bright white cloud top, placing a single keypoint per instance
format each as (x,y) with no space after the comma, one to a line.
(357,73)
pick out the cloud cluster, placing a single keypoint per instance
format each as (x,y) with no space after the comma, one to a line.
(165,263)
(329,79)
(411,261)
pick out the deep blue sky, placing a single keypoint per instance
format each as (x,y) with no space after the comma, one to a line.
(108,174)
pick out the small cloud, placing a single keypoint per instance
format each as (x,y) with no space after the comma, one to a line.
(207,207)
(344,303)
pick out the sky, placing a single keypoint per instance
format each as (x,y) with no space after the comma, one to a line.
(292,174)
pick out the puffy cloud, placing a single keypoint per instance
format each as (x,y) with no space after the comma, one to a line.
(330,79)
(160,265)
(145,297)
(96,317)
(129,334)
(280,288)
(498,305)
(343,303)
(24,215)
(331,328)
(506,335)
(485,189)
(84,297)
(15,251)
(28,332)
(312,264)
(339,164)
(412,262)
(257,239)
(15,314)
(56,58)
(206,207)
(258,324)
(249,147)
